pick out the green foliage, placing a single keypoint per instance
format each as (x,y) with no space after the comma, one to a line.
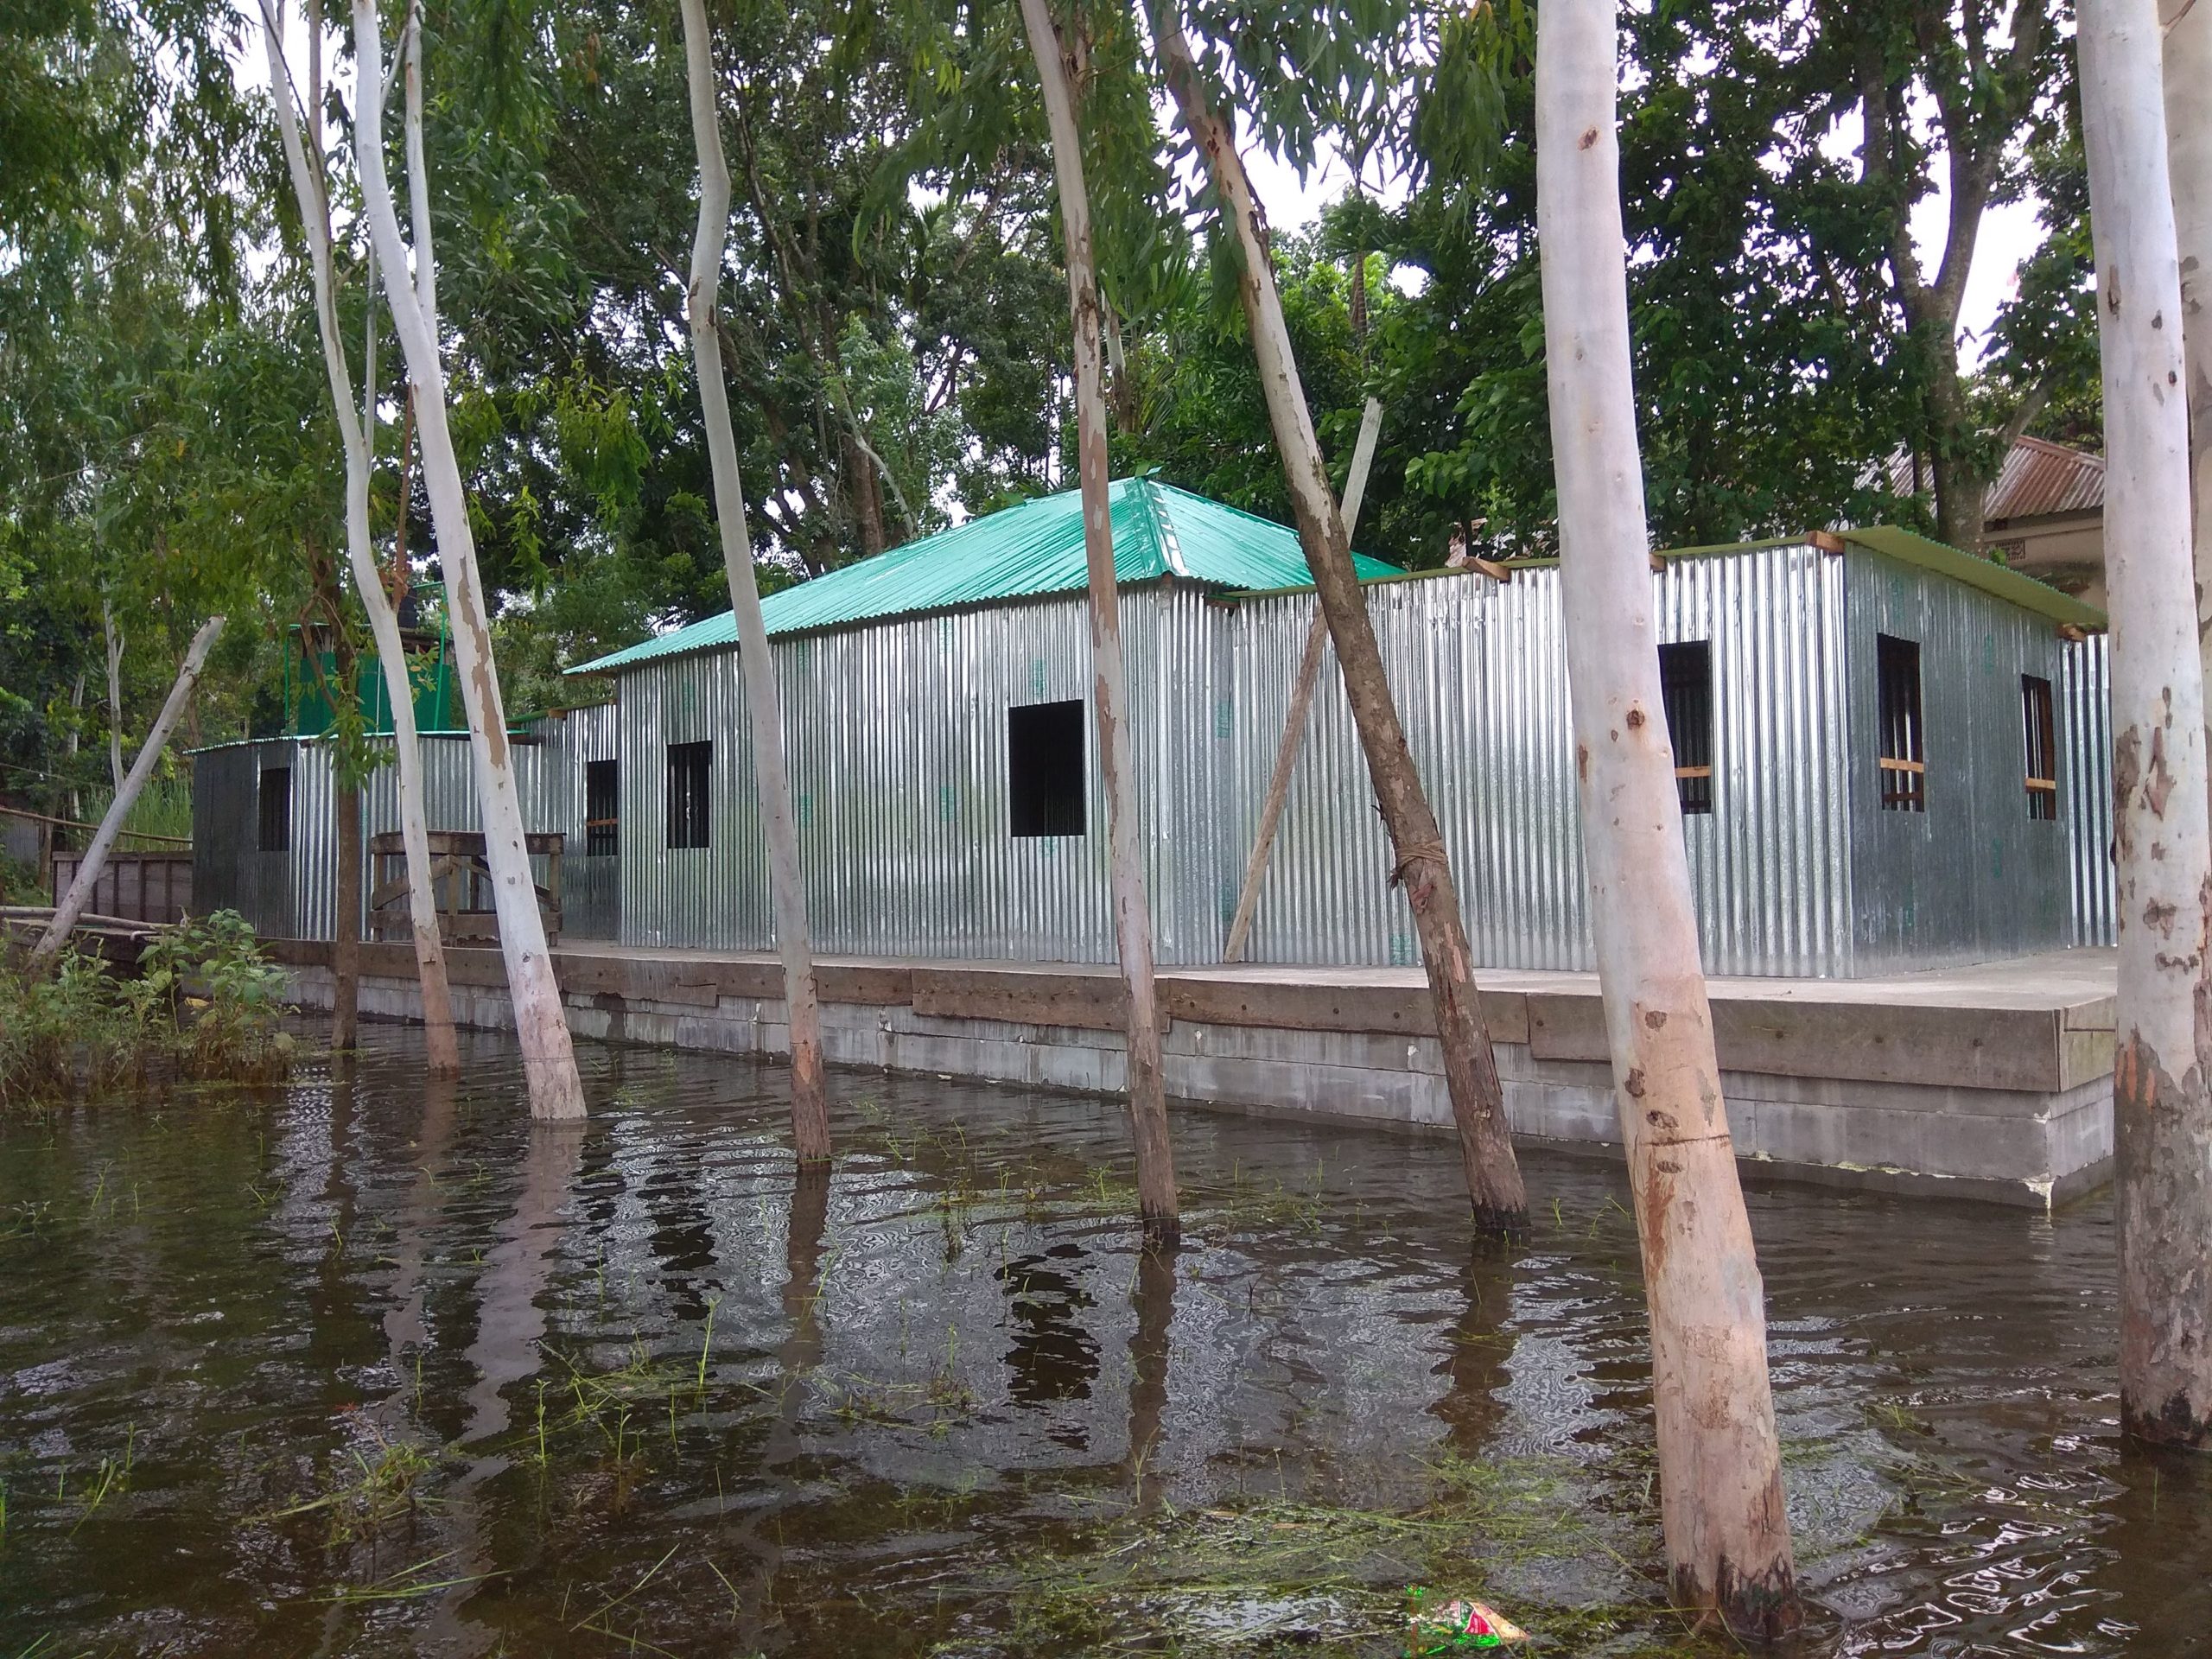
(204,1005)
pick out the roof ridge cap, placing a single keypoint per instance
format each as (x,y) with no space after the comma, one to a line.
(1163,526)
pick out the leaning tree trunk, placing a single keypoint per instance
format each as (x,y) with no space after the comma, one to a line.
(810,1090)
(2162,1074)
(541,1022)
(149,753)
(2187,59)
(1302,687)
(112,637)
(1727,1533)
(1501,1203)
(1156,1160)
(310,185)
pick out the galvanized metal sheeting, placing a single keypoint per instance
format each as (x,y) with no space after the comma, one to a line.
(897,738)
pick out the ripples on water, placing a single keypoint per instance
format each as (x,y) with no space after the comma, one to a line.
(343,1370)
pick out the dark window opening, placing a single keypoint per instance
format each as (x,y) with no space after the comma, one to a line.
(1904,762)
(1044,768)
(690,766)
(602,808)
(1686,688)
(2041,731)
(275,804)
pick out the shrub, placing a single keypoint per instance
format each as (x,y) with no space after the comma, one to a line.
(204,1005)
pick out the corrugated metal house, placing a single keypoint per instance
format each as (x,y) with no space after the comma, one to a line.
(1890,756)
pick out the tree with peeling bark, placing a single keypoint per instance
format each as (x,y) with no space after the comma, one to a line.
(1494,1185)
(95,857)
(1727,1530)
(541,1021)
(810,1089)
(304,158)
(2162,821)
(1058,75)
(2186,64)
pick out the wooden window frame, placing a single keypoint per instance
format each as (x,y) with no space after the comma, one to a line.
(2039,744)
(1901,724)
(1686,692)
(690,794)
(602,808)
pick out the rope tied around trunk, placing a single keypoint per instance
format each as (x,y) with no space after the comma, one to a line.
(1420,852)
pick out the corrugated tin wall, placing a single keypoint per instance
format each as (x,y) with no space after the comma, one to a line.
(291,893)
(897,735)
(591,891)
(1973,877)
(1479,671)
(2085,786)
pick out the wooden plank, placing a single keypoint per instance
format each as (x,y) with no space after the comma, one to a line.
(1041,996)
(1867,1042)
(1212,998)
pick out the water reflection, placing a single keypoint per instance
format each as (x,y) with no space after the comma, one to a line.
(1154,1301)
(930,1379)
(1053,1357)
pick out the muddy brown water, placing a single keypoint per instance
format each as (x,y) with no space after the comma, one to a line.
(345,1368)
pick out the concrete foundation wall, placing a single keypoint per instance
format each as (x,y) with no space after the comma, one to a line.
(2029,1145)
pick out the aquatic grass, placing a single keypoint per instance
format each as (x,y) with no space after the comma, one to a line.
(1258,1575)
(361,1500)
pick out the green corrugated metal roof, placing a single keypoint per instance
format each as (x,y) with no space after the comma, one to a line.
(1023,551)
(1986,574)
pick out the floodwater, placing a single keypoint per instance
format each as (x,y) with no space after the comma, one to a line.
(339,1369)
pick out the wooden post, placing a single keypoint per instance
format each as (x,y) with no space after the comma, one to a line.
(1301,704)
(541,1020)
(810,1089)
(2162,1071)
(1494,1188)
(1156,1199)
(310,185)
(346,915)
(134,782)
(1727,1532)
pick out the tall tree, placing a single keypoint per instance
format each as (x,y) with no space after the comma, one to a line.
(311,192)
(2186,60)
(810,1090)
(1060,73)
(1727,1529)
(1984,72)
(1494,1185)
(2161,818)
(541,1021)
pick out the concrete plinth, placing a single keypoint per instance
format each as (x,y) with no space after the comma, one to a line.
(1990,1082)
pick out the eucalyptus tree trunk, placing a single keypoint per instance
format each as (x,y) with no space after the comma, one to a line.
(111,637)
(2162,1074)
(2187,63)
(1295,721)
(1501,1203)
(541,1022)
(134,782)
(1727,1532)
(310,185)
(1156,1160)
(810,1089)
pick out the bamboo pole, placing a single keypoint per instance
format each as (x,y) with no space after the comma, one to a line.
(1301,704)
(94,861)
(1156,1197)
(1494,1187)
(810,1089)
(310,185)
(2162,1071)
(1727,1528)
(541,1020)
